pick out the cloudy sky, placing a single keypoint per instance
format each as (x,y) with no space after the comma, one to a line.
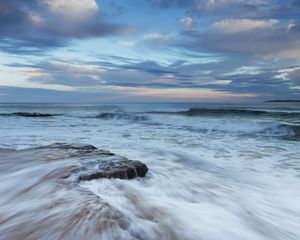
(149,50)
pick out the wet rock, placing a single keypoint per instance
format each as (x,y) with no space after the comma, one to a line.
(87,162)
(122,169)
(68,146)
(95,163)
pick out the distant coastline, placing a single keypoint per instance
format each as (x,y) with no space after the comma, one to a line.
(283,101)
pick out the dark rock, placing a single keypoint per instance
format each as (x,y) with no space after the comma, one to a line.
(88,162)
(123,169)
(68,146)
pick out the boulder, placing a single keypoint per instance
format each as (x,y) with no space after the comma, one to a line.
(122,169)
(88,161)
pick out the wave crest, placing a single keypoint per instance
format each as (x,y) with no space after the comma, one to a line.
(121,116)
(29,114)
(229,111)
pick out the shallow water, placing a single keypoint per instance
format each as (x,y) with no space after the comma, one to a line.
(228,175)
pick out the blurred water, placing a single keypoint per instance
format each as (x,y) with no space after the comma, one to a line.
(211,176)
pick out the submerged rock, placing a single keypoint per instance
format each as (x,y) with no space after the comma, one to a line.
(123,169)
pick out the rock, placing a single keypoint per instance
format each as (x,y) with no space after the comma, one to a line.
(70,146)
(122,169)
(88,162)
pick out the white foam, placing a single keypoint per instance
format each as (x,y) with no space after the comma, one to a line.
(225,178)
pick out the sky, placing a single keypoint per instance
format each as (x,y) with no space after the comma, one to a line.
(149,50)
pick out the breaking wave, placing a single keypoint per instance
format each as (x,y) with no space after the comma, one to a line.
(273,130)
(227,111)
(203,166)
(50,203)
(234,127)
(121,116)
(30,114)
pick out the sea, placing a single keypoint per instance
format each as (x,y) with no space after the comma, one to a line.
(216,171)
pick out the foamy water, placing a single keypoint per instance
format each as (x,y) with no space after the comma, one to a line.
(227,173)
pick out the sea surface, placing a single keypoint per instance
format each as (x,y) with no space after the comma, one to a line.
(216,172)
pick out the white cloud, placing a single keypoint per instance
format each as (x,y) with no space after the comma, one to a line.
(221,82)
(284,74)
(291,25)
(36,19)
(159,37)
(149,38)
(218,3)
(248,70)
(127,44)
(187,22)
(242,25)
(73,8)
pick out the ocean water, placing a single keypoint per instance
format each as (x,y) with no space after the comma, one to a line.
(216,172)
